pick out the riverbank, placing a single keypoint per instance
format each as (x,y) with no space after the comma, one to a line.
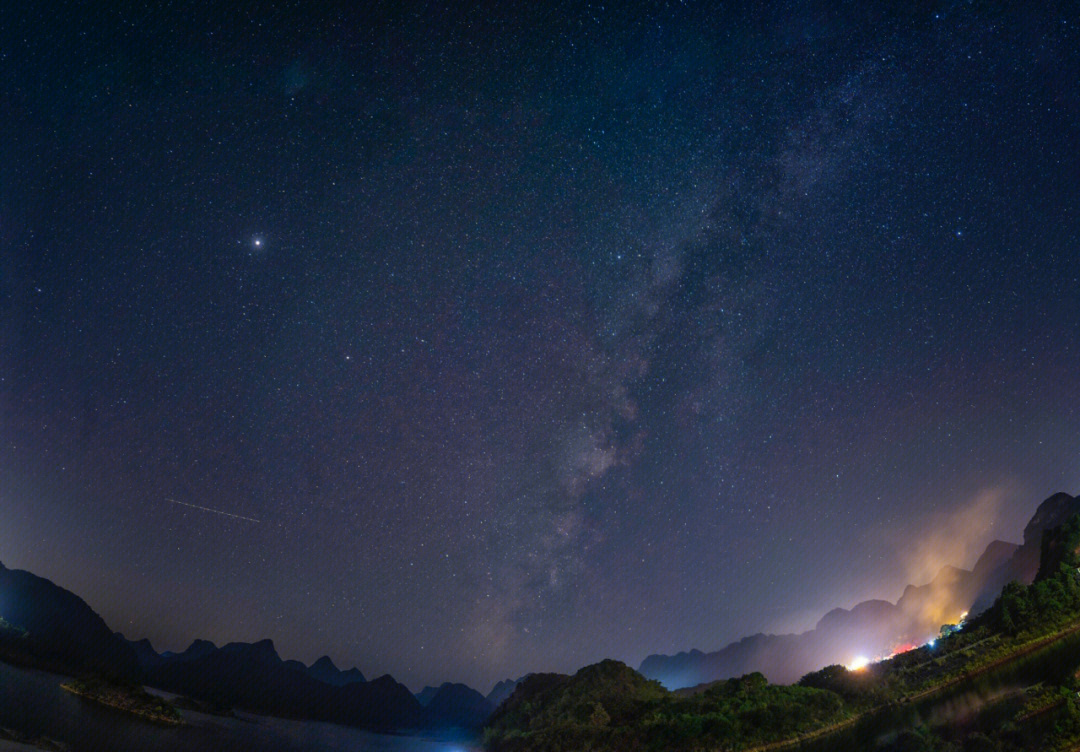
(128,699)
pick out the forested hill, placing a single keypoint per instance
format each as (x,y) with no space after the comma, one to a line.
(609,707)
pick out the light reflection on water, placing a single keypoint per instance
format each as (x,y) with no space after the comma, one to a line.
(32,703)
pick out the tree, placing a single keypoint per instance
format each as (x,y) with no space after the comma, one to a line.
(599,716)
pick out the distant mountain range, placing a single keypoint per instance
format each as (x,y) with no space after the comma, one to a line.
(495,697)
(503,690)
(252,676)
(872,628)
(43,625)
(46,626)
(425,695)
(456,705)
(325,671)
(322,670)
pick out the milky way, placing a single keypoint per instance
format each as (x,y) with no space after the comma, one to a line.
(530,336)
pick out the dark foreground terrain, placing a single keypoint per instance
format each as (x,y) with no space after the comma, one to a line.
(1006,680)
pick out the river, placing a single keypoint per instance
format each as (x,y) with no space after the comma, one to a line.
(32,703)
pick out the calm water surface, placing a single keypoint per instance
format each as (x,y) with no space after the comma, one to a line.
(32,703)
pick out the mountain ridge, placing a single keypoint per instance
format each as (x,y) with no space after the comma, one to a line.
(61,632)
(503,689)
(455,704)
(58,630)
(46,626)
(253,676)
(877,627)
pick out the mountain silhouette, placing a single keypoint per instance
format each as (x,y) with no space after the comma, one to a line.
(424,695)
(144,651)
(876,627)
(457,705)
(45,626)
(252,676)
(325,671)
(197,649)
(59,631)
(503,690)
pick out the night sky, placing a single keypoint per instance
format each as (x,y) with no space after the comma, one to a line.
(518,337)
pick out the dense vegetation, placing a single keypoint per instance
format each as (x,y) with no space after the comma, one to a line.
(611,707)
(1048,720)
(1053,600)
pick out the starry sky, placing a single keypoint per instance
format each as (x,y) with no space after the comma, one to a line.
(461,342)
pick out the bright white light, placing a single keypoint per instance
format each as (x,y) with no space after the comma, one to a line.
(931,644)
(858,663)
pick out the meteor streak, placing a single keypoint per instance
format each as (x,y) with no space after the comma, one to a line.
(215,511)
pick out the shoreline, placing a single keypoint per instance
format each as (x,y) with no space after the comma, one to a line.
(108,702)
